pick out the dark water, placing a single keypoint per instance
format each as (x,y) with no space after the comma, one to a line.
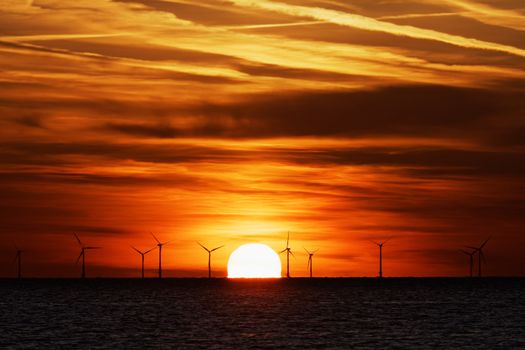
(297,313)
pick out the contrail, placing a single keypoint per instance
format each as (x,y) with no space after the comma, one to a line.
(45,37)
(420,15)
(488,14)
(273,25)
(367,23)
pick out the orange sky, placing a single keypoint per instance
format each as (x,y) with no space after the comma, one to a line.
(231,122)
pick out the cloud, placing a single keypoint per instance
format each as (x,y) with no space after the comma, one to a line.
(482,12)
(490,14)
(48,153)
(238,123)
(395,110)
(367,23)
(48,37)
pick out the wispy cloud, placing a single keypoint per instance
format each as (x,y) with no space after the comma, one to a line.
(47,37)
(273,25)
(367,23)
(490,14)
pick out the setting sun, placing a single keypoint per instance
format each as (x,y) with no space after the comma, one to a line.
(254,260)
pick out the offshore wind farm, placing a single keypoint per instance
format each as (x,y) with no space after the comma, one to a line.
(263,261)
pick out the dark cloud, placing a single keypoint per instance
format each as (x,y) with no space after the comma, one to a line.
(33,121)
(103,179)
(418,162)
(439,162)
(31,153)
(158,131)
(395,110)
(402,110)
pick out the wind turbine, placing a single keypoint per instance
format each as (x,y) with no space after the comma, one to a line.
(159,244)
(142,255)
(288,251)
(310,260)
(209,256)
(18,259)
(481,256)
(471,258)
(83,255)
(380,245)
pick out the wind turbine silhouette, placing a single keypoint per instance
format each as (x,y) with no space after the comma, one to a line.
(481,256)
(471,258)
(310,260)
(18,259)
(209,256)
(83,255)
(142,255)
(288,251)
(160,245)
(380,245)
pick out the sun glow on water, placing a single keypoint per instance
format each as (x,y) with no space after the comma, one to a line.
(254,260)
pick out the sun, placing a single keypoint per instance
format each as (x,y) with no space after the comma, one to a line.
(254,260)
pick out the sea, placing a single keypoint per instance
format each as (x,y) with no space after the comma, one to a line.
(296,313)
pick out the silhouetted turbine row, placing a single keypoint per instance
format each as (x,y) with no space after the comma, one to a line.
(287,250)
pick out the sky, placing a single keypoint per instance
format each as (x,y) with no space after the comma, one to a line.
(232,122)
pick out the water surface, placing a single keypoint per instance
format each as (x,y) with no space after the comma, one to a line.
(294,314)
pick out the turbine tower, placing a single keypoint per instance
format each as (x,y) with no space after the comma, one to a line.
(209,256)
(310,260)
(288,251)
(481,256)
(380,245)
(160,245)
(18,259)
(471,258)
(142,256)
(83,255)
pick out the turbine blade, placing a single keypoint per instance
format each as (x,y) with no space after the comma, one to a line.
(214,249)
(306,250)
(138,251)
(78,240)
(155,237)
(315,251)
(203,247)
(81,253)
(470,247)
(147,251)
(291,253)
(92,247)
(282,251)
(388,239)
(482,245)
